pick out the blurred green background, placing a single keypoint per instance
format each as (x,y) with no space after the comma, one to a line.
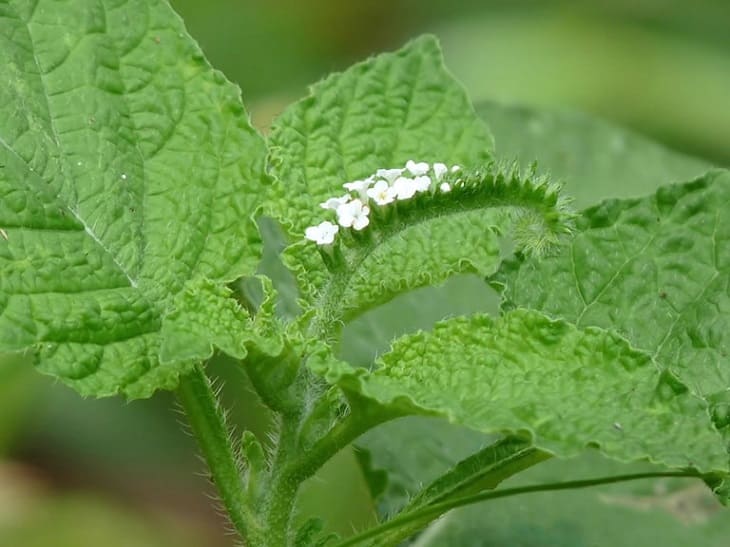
(127,470)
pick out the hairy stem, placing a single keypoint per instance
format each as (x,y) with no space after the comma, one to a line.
(293,464)
(282,487)
(208,425)
(430,512)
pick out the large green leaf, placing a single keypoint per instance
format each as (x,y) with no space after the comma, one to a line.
(379,114)
(657,271)
(129,174)
(562,387)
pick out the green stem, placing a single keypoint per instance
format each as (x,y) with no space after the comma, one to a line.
(282,487)
(293,465)
(208,425)
(431,512)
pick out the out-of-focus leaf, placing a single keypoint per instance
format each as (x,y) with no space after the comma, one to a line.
(667,512)
(19,385)
(594,159)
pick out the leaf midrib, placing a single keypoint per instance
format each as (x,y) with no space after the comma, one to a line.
(60,157)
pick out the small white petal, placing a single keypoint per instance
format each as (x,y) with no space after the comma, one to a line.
(382,193)
(349,213)
(455,168)
(312,233)
(404,188)
(422,184)
(389,174)
(344,218)
(439,170)
(360,187)
(360,222)
(334,203)
(417,169)
(322,234)
(445,187)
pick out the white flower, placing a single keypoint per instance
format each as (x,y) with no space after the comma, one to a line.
(323,233)
(417,169)
(360,186)
(404,188)
(334,203)
(382,193)
(353,214)
(422,184)
(388,174)
(439,170)
(455,168)
(445,187)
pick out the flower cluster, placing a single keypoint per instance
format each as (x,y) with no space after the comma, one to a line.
(381,189)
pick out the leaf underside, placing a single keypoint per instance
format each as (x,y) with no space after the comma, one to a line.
(129,174)
(677,512)
(592,158)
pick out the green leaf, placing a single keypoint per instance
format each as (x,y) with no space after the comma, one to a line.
(379,114)
(562,387)
(656,270)
(371,334)
(592,158)
(129,174)
(420,255)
